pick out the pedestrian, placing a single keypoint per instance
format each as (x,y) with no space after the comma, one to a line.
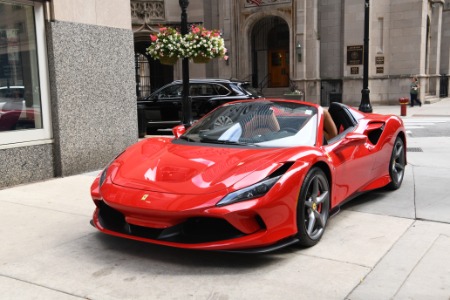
(414,89)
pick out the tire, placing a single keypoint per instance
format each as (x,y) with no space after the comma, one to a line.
(313,208)
(397,165)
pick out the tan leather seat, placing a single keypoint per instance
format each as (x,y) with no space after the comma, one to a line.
(261,124)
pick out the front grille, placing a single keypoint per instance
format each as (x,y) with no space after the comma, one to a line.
(191,231)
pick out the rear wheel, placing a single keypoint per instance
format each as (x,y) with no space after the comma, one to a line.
(313,207)
(397,164)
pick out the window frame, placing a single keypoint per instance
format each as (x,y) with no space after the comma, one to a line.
(18,138)
(219,88)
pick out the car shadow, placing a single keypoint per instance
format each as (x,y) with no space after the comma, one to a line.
(365,198)
(186,258)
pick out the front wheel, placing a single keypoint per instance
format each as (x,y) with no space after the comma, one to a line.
(397,164)
(313,207)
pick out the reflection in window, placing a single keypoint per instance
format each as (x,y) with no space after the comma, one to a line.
(276,59)
(173,91)
(221,90)
(20,102)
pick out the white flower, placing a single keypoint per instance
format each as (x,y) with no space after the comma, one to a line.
(199,42)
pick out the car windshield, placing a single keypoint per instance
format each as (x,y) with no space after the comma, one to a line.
(257,123)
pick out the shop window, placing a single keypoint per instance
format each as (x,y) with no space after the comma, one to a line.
(24,100)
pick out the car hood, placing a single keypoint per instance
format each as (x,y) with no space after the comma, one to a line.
(159,165)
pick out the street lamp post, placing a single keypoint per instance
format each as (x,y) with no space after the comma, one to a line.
(186,100)
(365,105)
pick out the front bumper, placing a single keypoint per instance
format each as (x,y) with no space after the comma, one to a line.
(259,224)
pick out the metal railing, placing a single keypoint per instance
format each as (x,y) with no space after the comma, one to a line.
(264,83)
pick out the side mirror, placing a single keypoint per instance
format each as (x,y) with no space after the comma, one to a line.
(178,130)
(352,139)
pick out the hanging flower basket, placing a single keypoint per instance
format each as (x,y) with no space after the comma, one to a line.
(165,45)
(170,61)
(201,59)
(200,45)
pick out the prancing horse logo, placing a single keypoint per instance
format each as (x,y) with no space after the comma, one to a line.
(144,197)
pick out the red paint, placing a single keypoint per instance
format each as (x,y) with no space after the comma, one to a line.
(156,183)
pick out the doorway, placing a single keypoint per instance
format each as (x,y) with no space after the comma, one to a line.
(270,53)
(331,91)
(150,73)
(279,68)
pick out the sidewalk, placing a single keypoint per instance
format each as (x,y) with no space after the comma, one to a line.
(437,109)
(383,245)
(418,264)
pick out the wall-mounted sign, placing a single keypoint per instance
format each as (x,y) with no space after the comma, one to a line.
(355,55)
(354,70)
(379,60)
(380,70)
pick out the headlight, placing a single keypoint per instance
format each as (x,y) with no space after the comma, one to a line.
(103,177)
(105,171)
(254,191)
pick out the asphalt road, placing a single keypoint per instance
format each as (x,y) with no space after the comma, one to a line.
(428,127)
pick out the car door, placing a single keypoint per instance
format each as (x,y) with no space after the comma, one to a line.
(352,158)
(198,94)
(165,105)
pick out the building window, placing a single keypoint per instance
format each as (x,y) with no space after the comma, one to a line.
(380,46)
(24,96)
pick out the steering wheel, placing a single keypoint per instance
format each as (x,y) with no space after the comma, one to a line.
(222,121)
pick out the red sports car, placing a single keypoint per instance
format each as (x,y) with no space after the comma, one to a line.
(250,176)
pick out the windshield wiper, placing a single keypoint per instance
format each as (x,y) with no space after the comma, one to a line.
(186,138)
(227,142)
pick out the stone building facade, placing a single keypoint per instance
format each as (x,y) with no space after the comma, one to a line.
(67,76)
(316,46)
(70,71)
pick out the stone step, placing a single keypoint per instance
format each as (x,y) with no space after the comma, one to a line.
(431,99)
(275,92)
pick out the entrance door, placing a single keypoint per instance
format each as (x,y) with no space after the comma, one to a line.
(279,68)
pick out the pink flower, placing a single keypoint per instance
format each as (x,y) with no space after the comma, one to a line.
(195,29)
(153,37)
(162,29)
(225,57)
